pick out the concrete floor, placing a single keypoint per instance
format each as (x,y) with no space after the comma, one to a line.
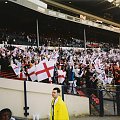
(94,118)
(85,118)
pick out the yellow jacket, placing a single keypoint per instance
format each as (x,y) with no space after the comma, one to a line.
(60,110)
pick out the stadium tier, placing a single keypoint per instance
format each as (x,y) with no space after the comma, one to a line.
(18,23)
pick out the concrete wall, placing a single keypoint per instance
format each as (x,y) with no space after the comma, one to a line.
(39,98)
(77,105)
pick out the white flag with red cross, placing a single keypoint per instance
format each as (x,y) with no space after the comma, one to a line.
(32,74)
(61,76)
(16,69)
(44,70)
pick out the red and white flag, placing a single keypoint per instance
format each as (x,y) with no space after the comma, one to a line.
(16,69)
(32,73)
(61,76)
(44,70)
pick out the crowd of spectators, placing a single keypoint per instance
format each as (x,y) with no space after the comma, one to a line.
(23,38)
(19,38)
(82,68)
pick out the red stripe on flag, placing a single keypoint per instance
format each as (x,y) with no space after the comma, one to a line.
(61,76)
(31,73)
(21,75)
(45,70)
(16,67)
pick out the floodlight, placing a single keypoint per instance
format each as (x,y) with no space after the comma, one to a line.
(110,0)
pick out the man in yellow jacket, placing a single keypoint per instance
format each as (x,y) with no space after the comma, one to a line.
(58,107)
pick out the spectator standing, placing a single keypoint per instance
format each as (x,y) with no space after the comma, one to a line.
(58,107)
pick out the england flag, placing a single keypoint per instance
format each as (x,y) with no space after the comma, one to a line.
(16,69)
(44,70)
(32,73)
(61,76)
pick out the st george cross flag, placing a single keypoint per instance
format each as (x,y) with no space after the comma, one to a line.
(16,69)
(32,74)
(44,70)
(61,76)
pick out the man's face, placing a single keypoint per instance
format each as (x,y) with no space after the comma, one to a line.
(5,116)
(55,94)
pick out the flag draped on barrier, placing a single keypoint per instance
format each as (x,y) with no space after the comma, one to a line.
(32,73)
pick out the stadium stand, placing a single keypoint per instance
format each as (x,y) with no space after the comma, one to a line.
(78,65)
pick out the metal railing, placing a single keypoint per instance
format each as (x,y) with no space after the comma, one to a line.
(97,98)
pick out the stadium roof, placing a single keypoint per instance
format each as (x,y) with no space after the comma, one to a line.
(19,18)
(102,8)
